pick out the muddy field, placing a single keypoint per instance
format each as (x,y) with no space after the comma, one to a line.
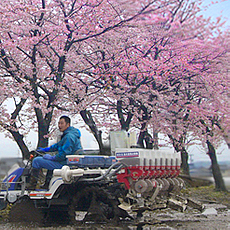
(215,215)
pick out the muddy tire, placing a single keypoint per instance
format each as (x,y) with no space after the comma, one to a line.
(100,205)
(57,215)
(24,210)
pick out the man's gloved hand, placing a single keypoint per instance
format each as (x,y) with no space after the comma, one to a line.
(39,149)
(49,157)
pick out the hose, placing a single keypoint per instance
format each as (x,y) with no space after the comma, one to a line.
(106,173)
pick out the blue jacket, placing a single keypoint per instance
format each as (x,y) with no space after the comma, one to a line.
(68,145)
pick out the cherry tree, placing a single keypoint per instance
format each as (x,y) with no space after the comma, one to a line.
(170,79)
(161,78)
(157,65)
(50,51)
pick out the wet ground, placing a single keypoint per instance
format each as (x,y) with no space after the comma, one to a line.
(214,216)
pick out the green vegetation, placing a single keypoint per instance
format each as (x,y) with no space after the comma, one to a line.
(207,194)
(4,213)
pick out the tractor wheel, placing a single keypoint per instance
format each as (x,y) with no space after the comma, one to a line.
(24,210)
(100,205)
(57,215)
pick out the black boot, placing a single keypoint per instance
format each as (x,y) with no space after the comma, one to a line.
(49,175)
(33,179)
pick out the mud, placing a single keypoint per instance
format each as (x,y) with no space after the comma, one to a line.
(214,216)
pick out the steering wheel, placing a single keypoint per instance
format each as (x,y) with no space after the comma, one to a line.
(35,153)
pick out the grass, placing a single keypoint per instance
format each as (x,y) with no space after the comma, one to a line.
(4,213)
(207,193)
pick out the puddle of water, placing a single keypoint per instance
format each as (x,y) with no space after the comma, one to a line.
(80,215)
(210,211)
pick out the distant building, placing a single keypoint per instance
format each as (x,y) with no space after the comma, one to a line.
(7,163)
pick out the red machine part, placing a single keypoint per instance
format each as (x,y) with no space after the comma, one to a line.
(131,174)
(128,174)
(150,166)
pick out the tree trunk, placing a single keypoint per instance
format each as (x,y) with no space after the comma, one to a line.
(217,175)
(43,127)
(145,140)
(21,144)
(184,154)
(88,119)
(125,123)
(155,141)
(184,162)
